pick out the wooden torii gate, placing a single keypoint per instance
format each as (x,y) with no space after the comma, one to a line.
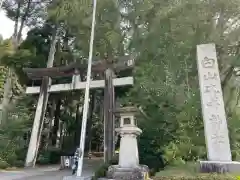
(107,68)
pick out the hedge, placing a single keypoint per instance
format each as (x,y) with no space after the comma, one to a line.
(198,177)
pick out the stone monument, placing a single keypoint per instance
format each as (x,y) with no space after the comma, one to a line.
(128,167)
(215,124)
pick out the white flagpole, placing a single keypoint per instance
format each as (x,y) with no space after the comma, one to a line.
(86,98)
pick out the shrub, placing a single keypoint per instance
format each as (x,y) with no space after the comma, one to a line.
(43,158)
(13,155)
(153,161)
(102,170)
(18,163)
(11,158)
(21,153)
(49,156)
(55,155)
(3,164)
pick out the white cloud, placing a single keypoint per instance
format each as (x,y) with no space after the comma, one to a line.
(7,26)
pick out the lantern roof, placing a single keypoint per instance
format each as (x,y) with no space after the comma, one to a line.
(127,110)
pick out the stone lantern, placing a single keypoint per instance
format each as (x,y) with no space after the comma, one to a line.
(128,130)
(128,167)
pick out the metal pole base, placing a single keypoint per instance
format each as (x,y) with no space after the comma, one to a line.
(77,178)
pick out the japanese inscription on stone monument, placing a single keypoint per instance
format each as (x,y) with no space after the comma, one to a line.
(215,124)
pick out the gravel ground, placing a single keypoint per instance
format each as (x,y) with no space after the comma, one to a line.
(47,173)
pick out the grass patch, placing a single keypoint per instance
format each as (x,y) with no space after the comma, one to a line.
(189,171)
(198,177)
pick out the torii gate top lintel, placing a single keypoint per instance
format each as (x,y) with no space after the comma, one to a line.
(118,65)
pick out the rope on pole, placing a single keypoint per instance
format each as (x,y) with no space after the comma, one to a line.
(86,98)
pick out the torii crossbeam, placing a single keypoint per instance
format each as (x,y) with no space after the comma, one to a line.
(81,85)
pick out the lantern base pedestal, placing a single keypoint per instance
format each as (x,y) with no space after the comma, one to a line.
(120,173)
(219,167)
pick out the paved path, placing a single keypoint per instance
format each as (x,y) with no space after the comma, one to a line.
(47,173)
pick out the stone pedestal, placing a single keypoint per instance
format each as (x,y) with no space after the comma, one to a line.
(119,173)
(219,167)
(128,153)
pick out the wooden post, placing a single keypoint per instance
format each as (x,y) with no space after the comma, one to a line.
(40,110)
(37,126)
(109,124)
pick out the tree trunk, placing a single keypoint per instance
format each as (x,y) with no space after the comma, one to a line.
(24,17)
(55,129)
(51,119)
(90,120)
(15,31)
(78,125)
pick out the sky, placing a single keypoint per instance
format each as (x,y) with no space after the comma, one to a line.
(7,25)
